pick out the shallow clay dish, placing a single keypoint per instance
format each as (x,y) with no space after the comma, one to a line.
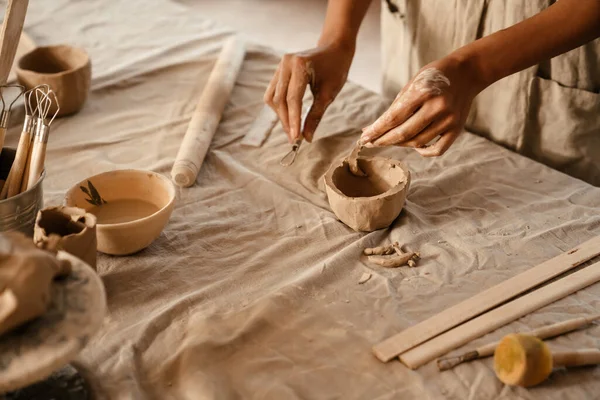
(132,207)
(67,70)
(36,349)
(372,202)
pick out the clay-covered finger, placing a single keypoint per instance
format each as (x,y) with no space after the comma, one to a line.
(439,147)
(435,129)
(295,93)
(314,116)
(280,97)
(397,114)
(270,92)
(414,125)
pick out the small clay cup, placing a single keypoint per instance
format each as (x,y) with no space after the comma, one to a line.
(367,203)
(67,70)
(117,191)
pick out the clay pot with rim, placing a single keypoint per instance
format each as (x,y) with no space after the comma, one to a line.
(372,202)
(66,69)
(131,206)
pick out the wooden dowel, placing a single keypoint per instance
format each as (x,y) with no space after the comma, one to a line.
(486,300)
(14,18)
(2,138)
(500,316)
(576,358)
(25,179)
(208,113)
(38,157)
(544,332)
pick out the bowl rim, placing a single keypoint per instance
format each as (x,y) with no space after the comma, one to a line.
(171,188)
(391,191)
(79,67)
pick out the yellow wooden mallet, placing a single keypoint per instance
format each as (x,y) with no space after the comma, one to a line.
(525,360)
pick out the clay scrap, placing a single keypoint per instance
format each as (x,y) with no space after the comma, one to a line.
(75,228)
(26,275)
(391,256)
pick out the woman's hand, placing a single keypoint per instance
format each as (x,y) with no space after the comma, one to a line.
(435,103)
(324,69)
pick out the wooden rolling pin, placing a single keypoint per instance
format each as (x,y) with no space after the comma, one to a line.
(14,18)
(208,113)
(524,360)
(541,333)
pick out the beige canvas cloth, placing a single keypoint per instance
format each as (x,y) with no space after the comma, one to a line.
(549,112)
(251,291)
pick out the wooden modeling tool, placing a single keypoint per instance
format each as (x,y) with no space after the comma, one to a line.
(525,360)
(485,300)
(15,175)
(544,332)
(42,130)
(208,113)
(7,109)
(290,157)
(261,128)
(500,316)
(14,18)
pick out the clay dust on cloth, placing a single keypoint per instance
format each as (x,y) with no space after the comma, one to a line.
(252,290)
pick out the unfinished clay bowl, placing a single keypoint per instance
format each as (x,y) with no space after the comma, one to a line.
(372,202)
(67,70)
(132,207)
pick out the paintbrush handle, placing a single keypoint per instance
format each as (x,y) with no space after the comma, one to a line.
(576,358)
(541,333)
(38,157)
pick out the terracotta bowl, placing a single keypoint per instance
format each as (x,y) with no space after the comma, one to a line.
(67,70)
(372,202)
(132,207)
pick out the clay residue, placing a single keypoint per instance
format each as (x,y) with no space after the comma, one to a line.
(380,178)
(430,80)
(353,160)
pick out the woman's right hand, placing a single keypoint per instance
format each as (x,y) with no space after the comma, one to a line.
(325,69)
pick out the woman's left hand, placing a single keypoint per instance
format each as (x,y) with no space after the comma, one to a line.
(435,103)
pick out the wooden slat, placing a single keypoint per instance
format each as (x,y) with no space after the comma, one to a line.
(500,316)
(12,26)
(486,300)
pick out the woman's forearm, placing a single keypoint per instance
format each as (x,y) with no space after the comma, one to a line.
(342,21)
(564,26)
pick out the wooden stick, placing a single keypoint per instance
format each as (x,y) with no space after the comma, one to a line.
(25,181)
(544,332)
(38,158)
(208,113)
(500,316)
(576,358)
(486,300)
(14,18)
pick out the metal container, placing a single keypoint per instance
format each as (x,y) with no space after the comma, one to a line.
(18,213)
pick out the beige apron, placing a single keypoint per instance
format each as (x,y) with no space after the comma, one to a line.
(549,112)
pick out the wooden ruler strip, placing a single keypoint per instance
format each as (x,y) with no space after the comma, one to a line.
(486,300)
(14,18)
(501,316)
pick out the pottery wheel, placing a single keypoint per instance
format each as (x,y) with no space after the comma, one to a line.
(35,350)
